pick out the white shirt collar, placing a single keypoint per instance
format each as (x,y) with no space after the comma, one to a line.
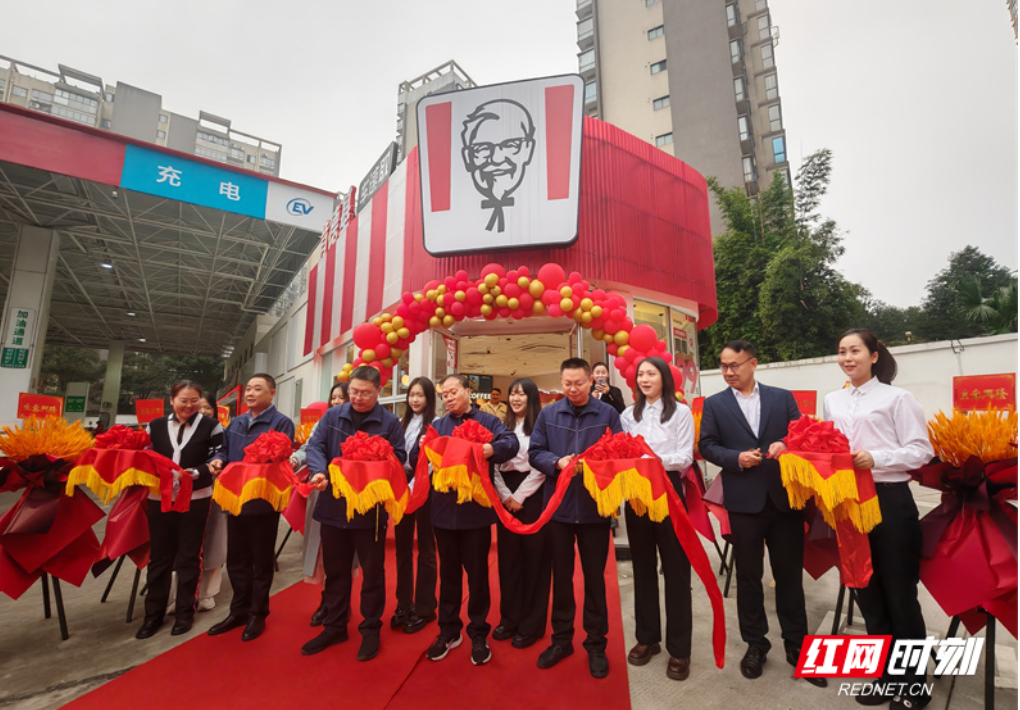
(738,393)
(865,388)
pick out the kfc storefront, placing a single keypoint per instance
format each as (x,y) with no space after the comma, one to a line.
(518,233)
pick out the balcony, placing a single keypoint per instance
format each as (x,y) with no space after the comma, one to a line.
(584,8)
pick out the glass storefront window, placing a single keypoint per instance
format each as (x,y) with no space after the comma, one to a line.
(654,315)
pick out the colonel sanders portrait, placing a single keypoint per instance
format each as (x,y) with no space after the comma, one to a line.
(499,142)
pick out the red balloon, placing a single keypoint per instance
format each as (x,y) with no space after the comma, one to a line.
(598,295)
(461,275)
(366,335)
(554,310)
(473,297)
(382,350)
(660,345)
(457,309)
(431,286)
(407,297)
(512,276)
(493,269)
(504,312)
(574,277)
(526,301)
(678,378)
(612,349)
(517,314)
(448,299)
(643,337)
(620,363)
(522,271)
(668,357)
(611,326)
(629,374)
(512,290)
(551,275)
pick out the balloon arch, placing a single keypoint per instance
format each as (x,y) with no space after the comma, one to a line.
(516,294)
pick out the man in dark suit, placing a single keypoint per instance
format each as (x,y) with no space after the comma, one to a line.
(742,431)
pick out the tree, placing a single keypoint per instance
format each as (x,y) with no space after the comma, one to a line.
(61,365)
(996,314)
(147,376)
(945,314)
(776,280)
(894,325)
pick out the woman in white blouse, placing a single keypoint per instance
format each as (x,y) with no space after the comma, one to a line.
(668,428)
(888,435)
(523,587)
(416,596)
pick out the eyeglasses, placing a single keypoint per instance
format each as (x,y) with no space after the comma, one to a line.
(359,395)
(734,367)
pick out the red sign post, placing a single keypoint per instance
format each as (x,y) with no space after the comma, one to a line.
(979,393)
(148,409)
(39,405)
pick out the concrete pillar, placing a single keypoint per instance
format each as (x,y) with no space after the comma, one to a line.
(111,384)
(26,315)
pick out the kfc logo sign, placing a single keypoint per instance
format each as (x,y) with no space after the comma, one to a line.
(500,165)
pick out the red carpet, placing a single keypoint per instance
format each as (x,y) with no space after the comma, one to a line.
(223,672)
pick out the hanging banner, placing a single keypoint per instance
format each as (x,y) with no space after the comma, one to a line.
(148,409)
(979,393)
(311,415)
(39,405)
(807,402)
(223,414)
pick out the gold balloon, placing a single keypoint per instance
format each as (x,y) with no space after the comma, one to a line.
(440,312)
(621,337)
(488,298)
(501,301)
(566,292)
(536,289)
(431,294)
(404,333)
(434,321)
(586,318)
(538,308)
(460,296)
(441,289)
(566,305)
(483,288)
(368,355)
(586,304)
(491,280)
(387,362)
(397,322)
(523,282)
(419,297)
(596,311)
(392,338)
(386,327)
(512,303)
(486,309)
(598,334)
(377,321)
(449,321)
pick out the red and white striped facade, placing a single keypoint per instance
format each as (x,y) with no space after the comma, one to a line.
(643,229)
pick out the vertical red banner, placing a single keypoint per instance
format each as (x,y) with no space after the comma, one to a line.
(559,115)
(313,287)
(326,322)
(350,238)
(438,127)
(377,251)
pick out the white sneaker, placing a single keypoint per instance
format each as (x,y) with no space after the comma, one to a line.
(207,604)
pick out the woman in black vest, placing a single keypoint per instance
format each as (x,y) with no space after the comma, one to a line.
(189,440)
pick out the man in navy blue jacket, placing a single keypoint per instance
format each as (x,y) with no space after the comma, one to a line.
(251,536)
(464,531)
(563,430)
(742,431)
(364,534)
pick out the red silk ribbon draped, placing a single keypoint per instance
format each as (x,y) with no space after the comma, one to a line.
(120,460)
(817,465)
(127,531)
(264,474)
(461,460)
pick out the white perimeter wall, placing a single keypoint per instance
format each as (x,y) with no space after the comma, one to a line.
(926,370)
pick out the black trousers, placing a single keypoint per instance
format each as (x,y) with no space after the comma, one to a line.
(251,554)
(463,551)
(593,549)
(524,573)
(889,602)
(418,594)
(176,546)
(783,533)
(645,537)
(338,548)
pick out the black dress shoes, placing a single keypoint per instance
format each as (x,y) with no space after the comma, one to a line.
(415,623)
(792,656)
(399,618)
(598,664)
(149,628)
(502,633)
(256,625)
(182,625)
(323,641)
(318,616)
(522,641)
(753,662)
(369,647)
(234,621)
(553,655)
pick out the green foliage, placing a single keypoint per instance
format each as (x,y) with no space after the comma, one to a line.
(776,280)
(892,324)
(61,365)
(955,305)
(147,376)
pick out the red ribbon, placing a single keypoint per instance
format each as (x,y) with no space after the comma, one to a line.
(123,437)
(270,447)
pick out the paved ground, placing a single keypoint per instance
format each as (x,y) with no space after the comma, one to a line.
(38,671)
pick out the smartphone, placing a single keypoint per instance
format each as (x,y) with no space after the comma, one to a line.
(601,381)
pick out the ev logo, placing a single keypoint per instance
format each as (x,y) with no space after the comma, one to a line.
(300,207)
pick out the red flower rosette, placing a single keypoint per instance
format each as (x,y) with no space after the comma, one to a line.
(120,460)
(970,541)
(265,474)
(621,467)
(367,474)
(44,531)
(472,431)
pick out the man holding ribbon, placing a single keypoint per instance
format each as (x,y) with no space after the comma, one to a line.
(564,430)
(464,530)
(251,536)
(342,534)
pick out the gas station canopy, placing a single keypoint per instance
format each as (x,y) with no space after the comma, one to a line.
(167,251)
